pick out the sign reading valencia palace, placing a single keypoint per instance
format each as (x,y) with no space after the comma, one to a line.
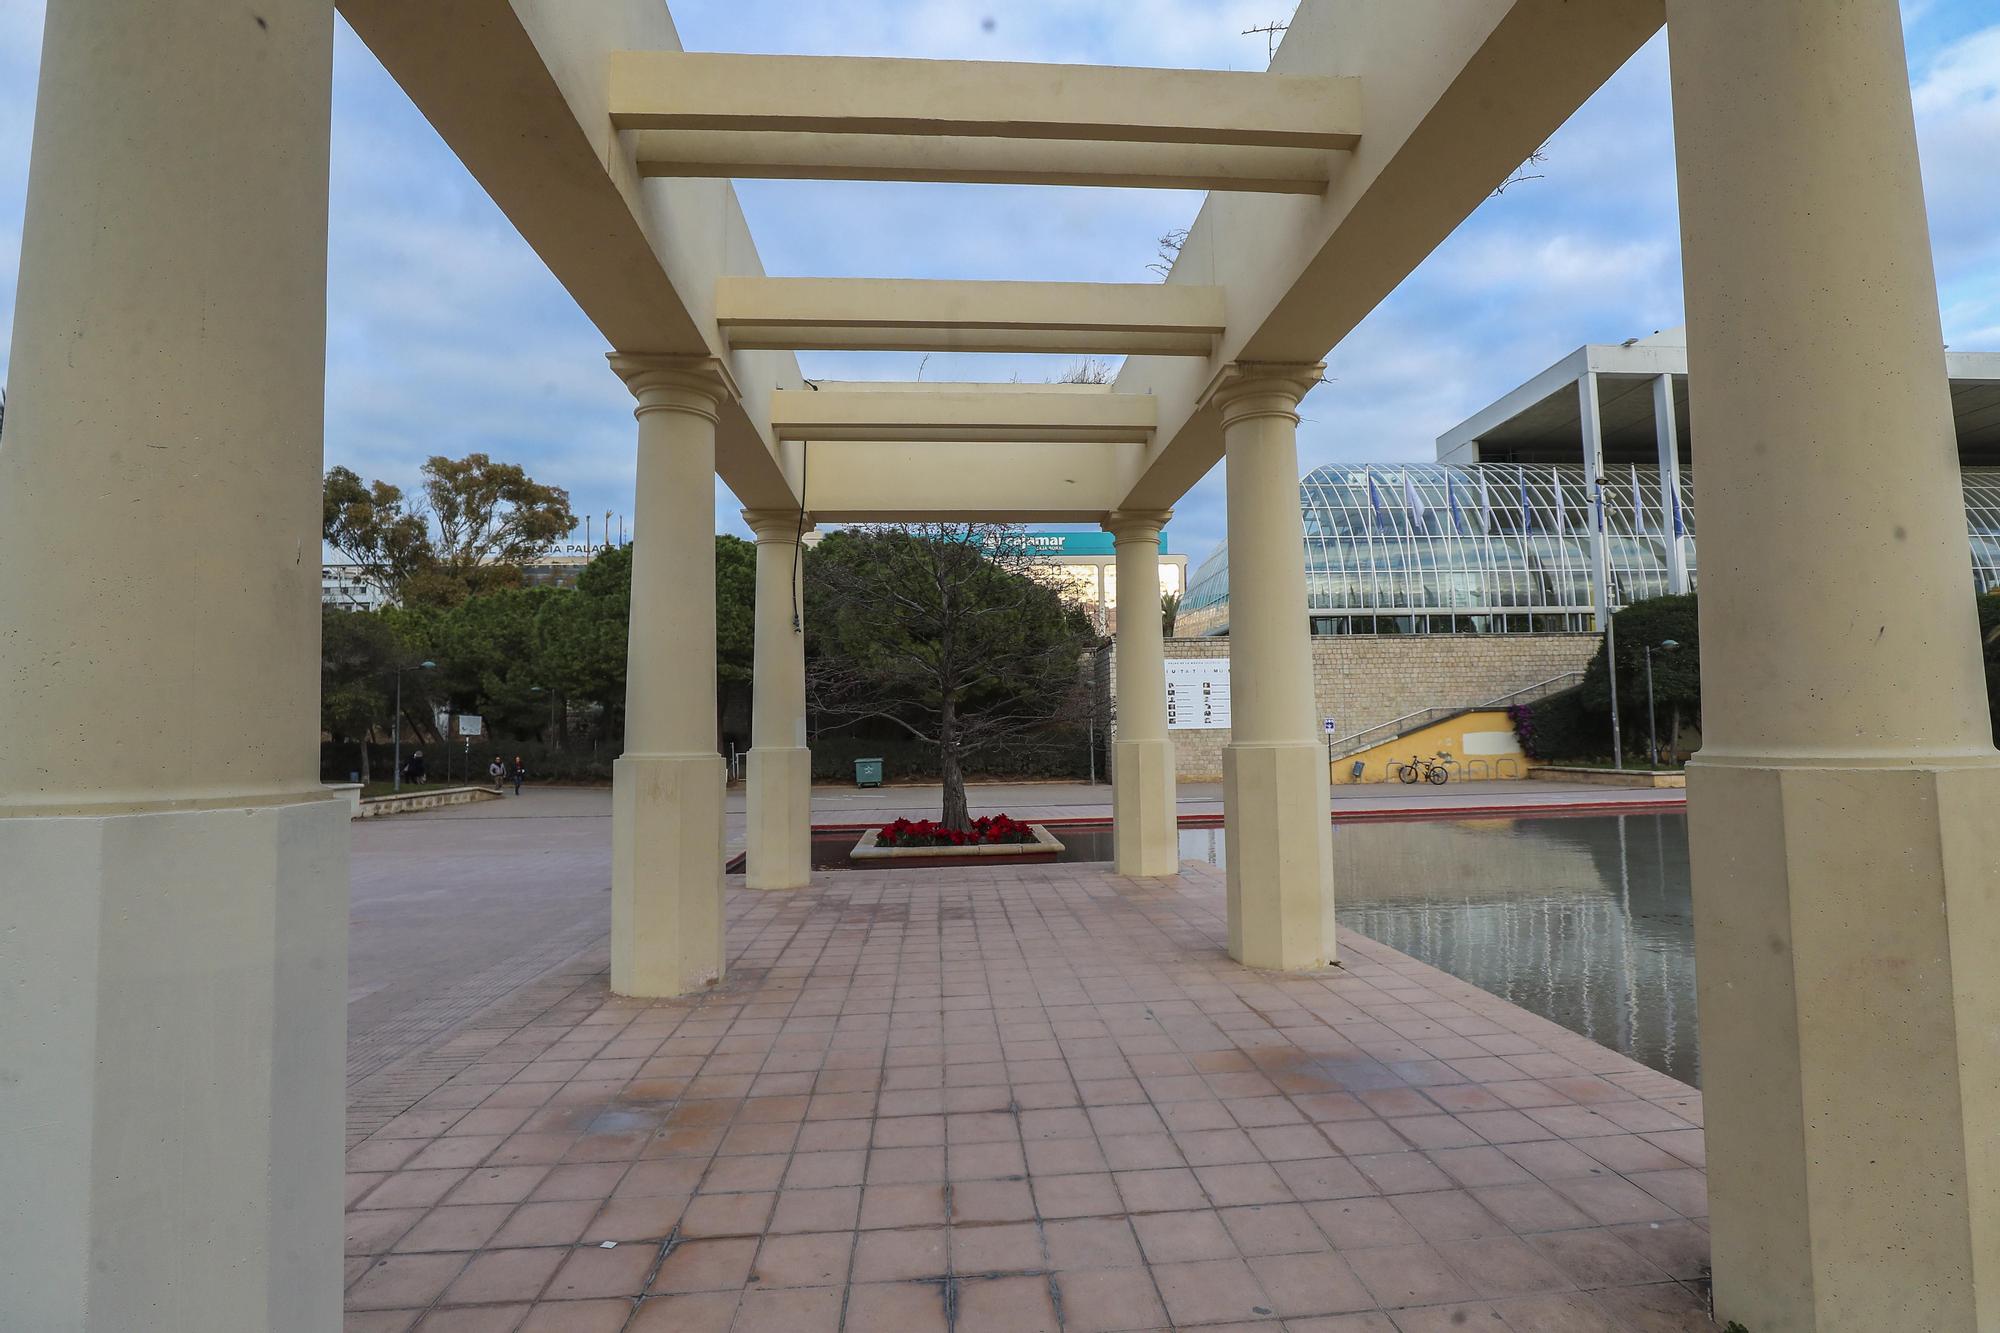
(1198,693)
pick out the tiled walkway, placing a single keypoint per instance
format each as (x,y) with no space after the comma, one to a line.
(1040,1098)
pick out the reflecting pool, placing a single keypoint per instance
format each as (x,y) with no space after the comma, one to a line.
(1585,920)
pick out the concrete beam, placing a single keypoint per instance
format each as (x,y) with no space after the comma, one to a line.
(1460,92)
(875,314)
(685,90)
(892,157)
(878,481)
(516,88)
(1085,414)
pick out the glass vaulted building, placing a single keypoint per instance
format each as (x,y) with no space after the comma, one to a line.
(1501,548)
(1498,536)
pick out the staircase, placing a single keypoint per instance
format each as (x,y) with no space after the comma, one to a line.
(1384,732)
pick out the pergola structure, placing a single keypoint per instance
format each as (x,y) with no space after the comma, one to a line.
(172,925)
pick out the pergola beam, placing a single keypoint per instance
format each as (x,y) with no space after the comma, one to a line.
(965,482)
(919,413)
(880,314)
(684,90)
(765,155)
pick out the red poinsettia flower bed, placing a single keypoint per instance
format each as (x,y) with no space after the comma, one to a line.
(929,833)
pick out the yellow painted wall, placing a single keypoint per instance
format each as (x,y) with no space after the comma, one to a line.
(1483,744)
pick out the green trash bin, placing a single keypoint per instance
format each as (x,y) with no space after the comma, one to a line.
(868,772)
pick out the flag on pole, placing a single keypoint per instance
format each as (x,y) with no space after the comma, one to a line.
(1638,505)
(1679,530)
(1451,502)
(1374,500)
(1527,514)
(1485,506)
(1413,504)
(1562,507)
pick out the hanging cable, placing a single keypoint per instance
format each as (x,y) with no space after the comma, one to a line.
(798,540)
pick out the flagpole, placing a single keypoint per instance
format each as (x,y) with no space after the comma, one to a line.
(1410,586)
(1374,601)
(1610,632)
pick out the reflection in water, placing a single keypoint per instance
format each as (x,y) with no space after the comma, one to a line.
(1586,921)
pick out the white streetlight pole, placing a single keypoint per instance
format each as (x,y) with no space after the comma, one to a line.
(396,724)
(1652,715)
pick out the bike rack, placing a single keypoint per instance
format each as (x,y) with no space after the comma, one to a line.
(1506,768)
(1476,769)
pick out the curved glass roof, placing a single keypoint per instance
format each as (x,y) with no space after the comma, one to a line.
(1492,547)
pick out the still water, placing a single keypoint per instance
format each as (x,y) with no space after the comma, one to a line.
(1585,920)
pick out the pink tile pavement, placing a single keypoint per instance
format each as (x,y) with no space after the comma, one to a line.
(1041,1097)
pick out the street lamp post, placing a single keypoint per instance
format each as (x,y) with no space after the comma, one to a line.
(396,723)
(537,689)
(1603,563)
(1652,718)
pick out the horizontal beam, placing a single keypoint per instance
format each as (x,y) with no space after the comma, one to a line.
(881,314)
(1000,413)
(888,157)
(890,482)
(687,90)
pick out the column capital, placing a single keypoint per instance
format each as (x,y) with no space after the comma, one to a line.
(1136,525)
(780,526)
(695,384)
(1244,389)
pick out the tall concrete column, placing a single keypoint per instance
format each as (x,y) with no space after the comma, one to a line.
(1275,790)
(666,793)
(173,878)
(1145,832)
(1846,852)
(778,850)
(1591,414)
(1668,440)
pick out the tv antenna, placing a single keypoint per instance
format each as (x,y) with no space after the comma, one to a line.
(1270,31)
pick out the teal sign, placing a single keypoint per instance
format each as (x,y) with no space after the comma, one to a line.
(1072,543)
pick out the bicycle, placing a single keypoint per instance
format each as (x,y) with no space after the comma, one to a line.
(1434,770)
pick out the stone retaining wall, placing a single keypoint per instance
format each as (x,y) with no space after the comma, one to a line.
(1364,680)
(421,799)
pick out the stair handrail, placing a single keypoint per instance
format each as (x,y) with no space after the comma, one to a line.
(1424,716)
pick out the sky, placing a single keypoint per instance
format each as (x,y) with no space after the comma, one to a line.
(447,335)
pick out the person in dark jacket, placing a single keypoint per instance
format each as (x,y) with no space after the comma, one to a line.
(520,774)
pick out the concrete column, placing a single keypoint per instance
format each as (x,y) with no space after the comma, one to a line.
(1667,433)
(1592,416)
(778,850)
(173,878)
(1275,792)
(1145,830)
(1846,855)
(666,793)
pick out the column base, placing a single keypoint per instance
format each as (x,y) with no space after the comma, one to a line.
(1847,921)
(1145,819)
(778,847)
(1276,803)
(174,1046)
(666,874)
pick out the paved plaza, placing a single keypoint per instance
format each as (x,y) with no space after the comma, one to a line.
(1039,1098)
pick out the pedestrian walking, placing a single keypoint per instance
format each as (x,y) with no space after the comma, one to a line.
(496,771)
(520,774)
(413,767)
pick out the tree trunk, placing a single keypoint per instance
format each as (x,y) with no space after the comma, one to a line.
(954,814)
(364,756)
